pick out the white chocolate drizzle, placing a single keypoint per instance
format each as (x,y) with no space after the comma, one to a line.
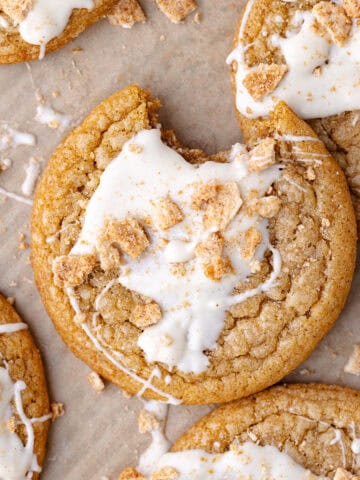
(244,461)
(17,461)
(193,306)
(335,90)
(46,115)
(48,19)
(16,197)
(12,327)
(32,171)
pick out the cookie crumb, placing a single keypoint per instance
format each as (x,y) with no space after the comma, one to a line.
(252,240)
(266,207)
(17,10)
(197,18)
(333,19)
(10,300)
(129,234)
(11,424)
(144,315)
(264,80)
(134,148)
(263,155)
(96,382)
(126,13)
(76,50)
(72,270)
(167,213)
(57,410)
(147,422)
(353,364)
(222,207)
(131,474)
(352,8)
(176,10)
(166,473)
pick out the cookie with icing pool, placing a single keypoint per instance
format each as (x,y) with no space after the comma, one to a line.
(24,403)
(31,28)
(306,53)
(294,432)
(188,277)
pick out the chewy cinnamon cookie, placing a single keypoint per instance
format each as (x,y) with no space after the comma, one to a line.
(306,53)
(24,403)
(294,432)
(31,28)
(187,277)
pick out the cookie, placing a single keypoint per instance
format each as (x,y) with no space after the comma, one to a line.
(306,53)
(186,277)
(288,432)
(24,401)
(29,28)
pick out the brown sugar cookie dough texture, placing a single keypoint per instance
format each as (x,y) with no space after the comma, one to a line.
(186,277)
(24,404)
(31,28)
(306,53)
(295,432)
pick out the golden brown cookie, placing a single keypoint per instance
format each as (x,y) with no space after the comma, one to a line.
(290,298)
(269,75)
(13,48)
(317,425)
(21,365)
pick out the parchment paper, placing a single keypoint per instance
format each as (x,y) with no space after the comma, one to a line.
(185,66)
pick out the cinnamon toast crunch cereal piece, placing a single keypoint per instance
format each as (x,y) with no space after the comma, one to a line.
(264,80)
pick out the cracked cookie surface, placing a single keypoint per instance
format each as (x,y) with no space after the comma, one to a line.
(264,337)
(315,424)
(261,22)
(23,361)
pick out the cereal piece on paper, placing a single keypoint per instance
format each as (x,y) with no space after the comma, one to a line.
(264,80)
(57,410)
(16,9)
(144,315)
(266,207)
(352,7)
(334,20)
(96,382)
(167,213)
(147,422)
(263,155)
(177,10)
(126,13)
(72,270)
(353,364)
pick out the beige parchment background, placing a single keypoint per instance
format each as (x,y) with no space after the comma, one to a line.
(185,66)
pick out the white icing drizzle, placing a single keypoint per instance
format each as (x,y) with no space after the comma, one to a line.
(12,138)
(17,461)
(46,115)
(3,22)
(334,91)
(16,197)
(111,354)
(355,444)
(193,306)
(160,444)
(48,19)
(246,461)
(12,327)
(32,171)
